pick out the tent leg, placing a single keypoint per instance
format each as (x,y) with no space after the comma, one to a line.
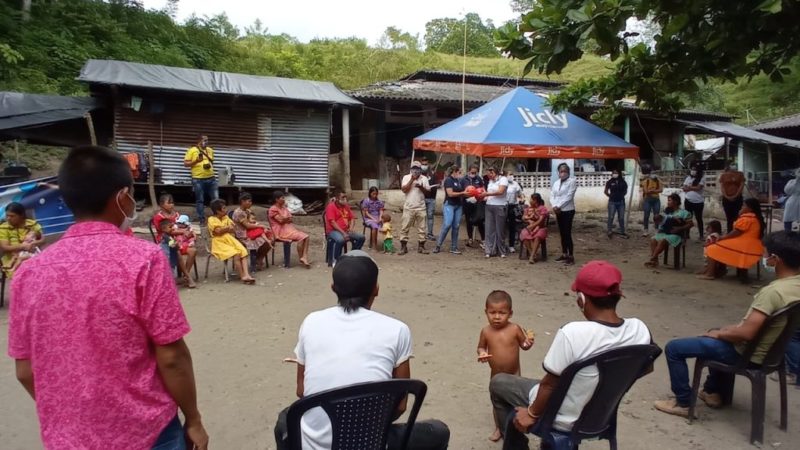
(630,195)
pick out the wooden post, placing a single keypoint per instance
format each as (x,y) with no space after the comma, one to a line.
(536,177)
(16,151)
(346,149)
(630,194)
(151,174)
(90,125)
(769,188)
(727,153)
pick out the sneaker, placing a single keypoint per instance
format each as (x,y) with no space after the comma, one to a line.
(455,251)
(431,237)
(711,400)
(502,255)
(671,406)
(483,247)
(469,243)
(511,250)
(437,249)
(569,261)
(561,258)
(487,256)
(624,236)
(790,377)
(645,233)
(610,234)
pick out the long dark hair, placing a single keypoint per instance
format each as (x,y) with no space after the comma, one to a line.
(698,175)
(17,209)
(754,206)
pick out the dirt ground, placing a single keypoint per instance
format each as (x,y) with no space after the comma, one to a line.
(241,333)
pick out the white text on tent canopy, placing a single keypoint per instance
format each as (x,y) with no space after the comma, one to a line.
(544,119)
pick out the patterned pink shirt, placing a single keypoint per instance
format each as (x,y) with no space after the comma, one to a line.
(86,312)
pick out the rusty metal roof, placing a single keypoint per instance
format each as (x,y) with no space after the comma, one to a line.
(177,79)
(478,78)
(792,121)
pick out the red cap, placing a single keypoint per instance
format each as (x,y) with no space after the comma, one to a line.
(598,279)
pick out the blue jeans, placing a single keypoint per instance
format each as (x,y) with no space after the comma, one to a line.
(204,187)
(356,239)
(649,205)
(171,438)
(617,208)
(451,222)
(793,356)
(677,350)
(430,208)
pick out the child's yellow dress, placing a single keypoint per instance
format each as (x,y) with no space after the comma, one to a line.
(224,246)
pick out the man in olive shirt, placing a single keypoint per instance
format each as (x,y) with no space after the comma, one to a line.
(200,159)
(725,345)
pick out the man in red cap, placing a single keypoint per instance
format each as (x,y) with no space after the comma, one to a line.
(598,290)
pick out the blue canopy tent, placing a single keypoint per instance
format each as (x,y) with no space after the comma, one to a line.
(519,124)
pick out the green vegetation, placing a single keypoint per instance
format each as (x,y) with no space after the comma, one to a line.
(45,53)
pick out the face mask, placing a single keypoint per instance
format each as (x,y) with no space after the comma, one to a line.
(127,221)
(767,267)
(653,176)
(693,173)
(563,175)
(511,178)
(614,175)
(424,168)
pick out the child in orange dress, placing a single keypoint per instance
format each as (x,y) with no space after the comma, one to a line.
(500,342)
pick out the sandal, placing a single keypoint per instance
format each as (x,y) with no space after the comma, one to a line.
(249,281)
(189,282)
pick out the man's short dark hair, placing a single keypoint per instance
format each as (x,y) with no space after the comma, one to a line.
(354,279)
(786,246)
(245,196)
(496,297)
(90,176)
(337,192)
(607,302)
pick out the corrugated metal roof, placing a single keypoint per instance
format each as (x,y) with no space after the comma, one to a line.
(24,110)
(478,78)
(209,82)
(422,91)
(792,121)
(738,131)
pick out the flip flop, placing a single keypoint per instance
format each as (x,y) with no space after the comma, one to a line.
(250,281)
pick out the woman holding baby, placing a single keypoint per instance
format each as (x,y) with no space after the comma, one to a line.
(671,227)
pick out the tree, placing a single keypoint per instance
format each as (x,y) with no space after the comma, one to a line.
(695,42)
(446,35)
(394,38)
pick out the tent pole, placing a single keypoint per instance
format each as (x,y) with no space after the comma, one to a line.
(503,165)
(536,176)
(480,169)
(630,194)
(413,151)
(769,188)
(727,152)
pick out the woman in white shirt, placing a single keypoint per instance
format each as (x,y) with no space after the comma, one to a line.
(694,200)
(495,196)
(791,209)
(562,200)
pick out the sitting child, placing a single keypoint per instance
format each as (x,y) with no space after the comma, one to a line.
(186,238)
(165,234)
(713,232)
(386,230)
(22,255)
(666,222)
(500,342)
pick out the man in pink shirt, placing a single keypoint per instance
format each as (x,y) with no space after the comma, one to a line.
(96,326)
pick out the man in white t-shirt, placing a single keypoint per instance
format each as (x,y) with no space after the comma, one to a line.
(598,287)
(415,186)
(347,344)
(496,204)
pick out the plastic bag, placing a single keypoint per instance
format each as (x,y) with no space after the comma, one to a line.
(294,204)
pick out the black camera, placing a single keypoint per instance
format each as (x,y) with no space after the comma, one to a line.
(206,166)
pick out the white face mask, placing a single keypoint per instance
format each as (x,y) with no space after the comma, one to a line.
(614,175)
(765,264)
(693,173)
(127,221)
(653,176)
(581,301)
(510,178)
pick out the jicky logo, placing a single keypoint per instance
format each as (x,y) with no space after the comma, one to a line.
(544,119)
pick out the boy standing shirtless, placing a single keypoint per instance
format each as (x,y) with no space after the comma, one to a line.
(501,340)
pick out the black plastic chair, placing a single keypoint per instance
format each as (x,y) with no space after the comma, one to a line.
(618,369)
(679,252)
(3,278)
(360,414)
(757,374)
(328,244)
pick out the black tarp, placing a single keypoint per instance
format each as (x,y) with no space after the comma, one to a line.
(45,119)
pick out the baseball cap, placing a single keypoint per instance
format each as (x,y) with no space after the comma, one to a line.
(355,275)
(598,279)
(183,218)
(416,164)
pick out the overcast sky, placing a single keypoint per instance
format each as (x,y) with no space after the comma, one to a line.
(307,19)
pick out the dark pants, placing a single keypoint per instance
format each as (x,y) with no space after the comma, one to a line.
(204,188)
(171,438)
(564,220)
(697,213)
(678,350)
(426,434)
(475,214)
(511,224)
(732,208)
(508,392)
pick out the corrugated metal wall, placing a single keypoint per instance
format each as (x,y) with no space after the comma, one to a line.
(267,148)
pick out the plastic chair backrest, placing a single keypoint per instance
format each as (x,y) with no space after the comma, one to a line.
(617,370)
(791,316)
(151,227)
(360,414)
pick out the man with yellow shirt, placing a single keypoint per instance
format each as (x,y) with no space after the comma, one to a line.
(200,159)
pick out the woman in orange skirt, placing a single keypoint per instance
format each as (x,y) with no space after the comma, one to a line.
(741,248)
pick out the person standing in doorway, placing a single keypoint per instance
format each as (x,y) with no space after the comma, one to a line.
(791,209)
(651,188)
(694,201)
(414,185)
(562,200)
(495,213)
(731,184)
(616,189)
(200,159)
(474,208)
(514,199)
(96,327)
(430,197)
